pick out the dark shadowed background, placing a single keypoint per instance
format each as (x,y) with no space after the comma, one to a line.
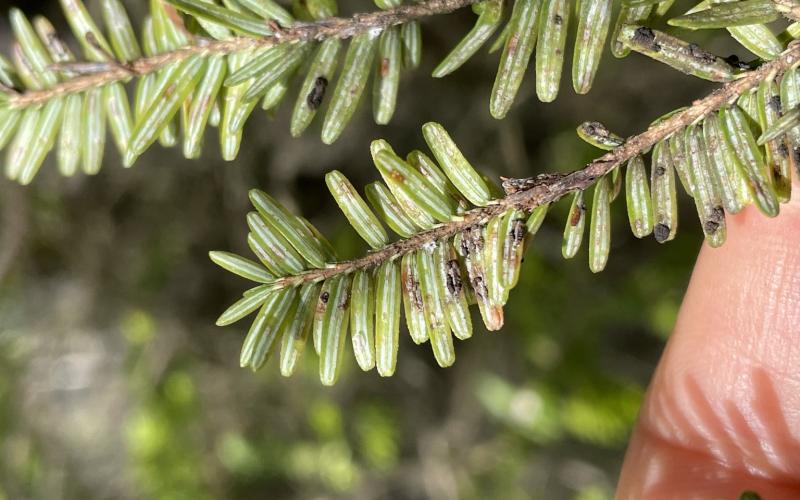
(115,383)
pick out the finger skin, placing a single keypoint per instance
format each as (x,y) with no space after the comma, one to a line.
(722,414)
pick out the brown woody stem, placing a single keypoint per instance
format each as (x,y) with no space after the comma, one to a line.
(789,8)
(552,188)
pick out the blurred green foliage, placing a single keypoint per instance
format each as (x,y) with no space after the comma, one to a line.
(114,383)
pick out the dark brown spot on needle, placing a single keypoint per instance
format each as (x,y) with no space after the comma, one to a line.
(577,214)
(479,287)
(646,37)
(169,91)
(317,94)
(796,158)
(322,303)
(453,277)
(397,177)
(518,230)
(411,287)
(734,61)
(699,54)
(775,103)
(711,226)
(475,240)
(714,222)
(599,132)
(464,245)
(511,46)
(661,232)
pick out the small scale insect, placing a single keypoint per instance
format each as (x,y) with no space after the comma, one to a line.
(317,93)
(479,287)
(511,46)
(711,226)
(476,240)
(661,232)
(411,286)
(644,36)
(577,214)
(518,230)
(345,302)
(465,245)
(453,278)
(774,102)
(324,297)
(701,55)
(734,61)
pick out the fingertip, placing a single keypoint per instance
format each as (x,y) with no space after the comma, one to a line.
(721,413)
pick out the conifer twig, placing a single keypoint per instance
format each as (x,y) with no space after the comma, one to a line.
(334,27)
(789,8)
(527,194)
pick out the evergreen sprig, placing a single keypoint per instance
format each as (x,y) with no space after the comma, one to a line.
(195,63)
(199,63)
(461,239)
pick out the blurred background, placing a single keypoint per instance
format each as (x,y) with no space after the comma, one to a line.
(115,383)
